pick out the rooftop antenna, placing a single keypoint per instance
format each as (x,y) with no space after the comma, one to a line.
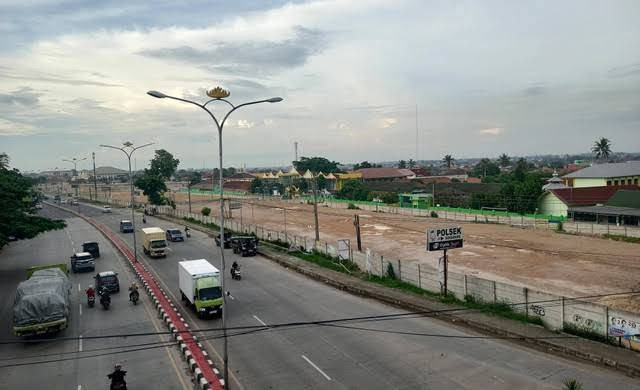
(295,148)
(416,133)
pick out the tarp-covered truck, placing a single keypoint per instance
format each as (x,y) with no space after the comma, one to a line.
(153,242)
(42,301)
(199,283)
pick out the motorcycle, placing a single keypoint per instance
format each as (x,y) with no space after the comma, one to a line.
(134,296)
(235,273)
(91,300)
(105,300)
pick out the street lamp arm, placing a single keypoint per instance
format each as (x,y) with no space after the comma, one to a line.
(141,146)
(238,106)
(199,105)
(221,99)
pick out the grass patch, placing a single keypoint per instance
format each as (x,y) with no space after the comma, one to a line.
(618,237)
(502,309)
(211,226)
(587,333)
(325,261)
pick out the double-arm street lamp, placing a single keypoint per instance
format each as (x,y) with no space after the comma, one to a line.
(75,162)
(219,94)
(128,150)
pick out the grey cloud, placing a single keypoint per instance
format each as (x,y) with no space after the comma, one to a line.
(24,96)
(534,90)
(256,57)
(625,71)
(58,80)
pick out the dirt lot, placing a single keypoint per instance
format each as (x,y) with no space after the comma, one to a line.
(546,261)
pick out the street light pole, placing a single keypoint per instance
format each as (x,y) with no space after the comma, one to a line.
(219,94)
(95,178)
(75,162)
(131,149)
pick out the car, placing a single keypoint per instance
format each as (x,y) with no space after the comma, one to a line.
(174,234)
(107,279)
(227,239)
(244,245)
(39,206)
(106,209)
(82,261)
(126,226)
(74,202)
(91,247)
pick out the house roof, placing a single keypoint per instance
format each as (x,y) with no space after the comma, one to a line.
(625,198)
(607,210)
(384,173)
(241,175)
(629,168)
(107,171)
(588,196)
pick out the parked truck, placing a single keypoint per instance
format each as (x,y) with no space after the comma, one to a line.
(153,242)
(199,283)
(41,304)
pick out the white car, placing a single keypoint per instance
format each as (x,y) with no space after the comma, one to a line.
(39,206)
(106,209)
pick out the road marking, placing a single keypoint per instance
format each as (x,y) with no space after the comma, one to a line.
(80,344)
(316,367)
(79,387)
(231,296)
(260,321)
(79,288)
(80,307)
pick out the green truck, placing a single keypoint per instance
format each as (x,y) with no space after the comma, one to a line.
(199,283)
(41,304)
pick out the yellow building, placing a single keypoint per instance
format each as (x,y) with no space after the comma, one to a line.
(609,174)
(342,178)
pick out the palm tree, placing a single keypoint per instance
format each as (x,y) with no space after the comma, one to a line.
(504,160)
(571,384)
(402,164)
(602,148)
(411,163)
(448,160)
(4,161)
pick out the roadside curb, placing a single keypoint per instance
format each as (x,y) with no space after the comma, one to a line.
(203,370)
(543,345)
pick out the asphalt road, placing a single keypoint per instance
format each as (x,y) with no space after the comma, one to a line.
(74,365)
(327,357)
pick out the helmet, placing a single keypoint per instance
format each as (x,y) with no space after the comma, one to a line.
(91,286)
(117,366)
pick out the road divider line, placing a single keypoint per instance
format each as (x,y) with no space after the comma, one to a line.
(231,296)
(260,321)
(80,308)
(79,288)
(80,344)
(316,367)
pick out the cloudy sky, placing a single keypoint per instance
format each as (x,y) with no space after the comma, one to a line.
(486,77)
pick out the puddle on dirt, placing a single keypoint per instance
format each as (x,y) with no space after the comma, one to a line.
(466,253)
(377,227)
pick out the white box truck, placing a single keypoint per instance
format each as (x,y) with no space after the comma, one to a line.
(153,242)
(199,283)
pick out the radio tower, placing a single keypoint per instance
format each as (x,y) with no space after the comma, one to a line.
(295,148)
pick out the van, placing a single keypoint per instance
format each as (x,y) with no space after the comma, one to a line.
(126,226)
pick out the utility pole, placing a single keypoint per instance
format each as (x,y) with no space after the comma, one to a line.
(445,272)
(356,223)
(189,191)
(285,224)
(295,148)
(315,207)
(95,178)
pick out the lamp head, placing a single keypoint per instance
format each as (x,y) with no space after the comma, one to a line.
(274,100)
(156,94)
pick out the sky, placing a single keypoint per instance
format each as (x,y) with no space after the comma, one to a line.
(358,78)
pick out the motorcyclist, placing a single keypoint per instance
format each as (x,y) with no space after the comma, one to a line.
(186,231)
(133,289)
(91,293)
(104,294)
(117,378)
(144,219)
(234,268)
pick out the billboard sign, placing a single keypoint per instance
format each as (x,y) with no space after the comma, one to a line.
(444,238)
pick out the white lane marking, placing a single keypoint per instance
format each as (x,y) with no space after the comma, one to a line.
(231,296)
(80,344)
(80,306)
(79,387)
(316,367)
(79,288)
(260,321)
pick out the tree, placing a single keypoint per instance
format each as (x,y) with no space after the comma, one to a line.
(205,211)
(4,161)
(485,168)
(315,164)
(354,190)
(321,181)
(504,160)
(18,198)
(152,186)
(411,163)
(448,160)
(301,184)
(402,164)
(163,164)
(602,148)
(364,164)
(256,186)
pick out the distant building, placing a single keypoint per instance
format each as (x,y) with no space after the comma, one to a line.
(609,174)
(104,174)
(554,182)
(416,200)
(385,174)
(342,178)
(557,201)
(623,208)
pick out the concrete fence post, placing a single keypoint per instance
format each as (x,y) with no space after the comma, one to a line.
(465,286)
(562,311)
(381,265)
(399,271)
(525,292)
(420,277)
(606,322)
(495,298)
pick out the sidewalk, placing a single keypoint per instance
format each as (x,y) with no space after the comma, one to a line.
(563,344)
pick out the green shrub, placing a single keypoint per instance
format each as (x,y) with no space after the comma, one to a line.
(391,273)
(560,227)
(571,384)
(352,206)
(205,211)
(434,214)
